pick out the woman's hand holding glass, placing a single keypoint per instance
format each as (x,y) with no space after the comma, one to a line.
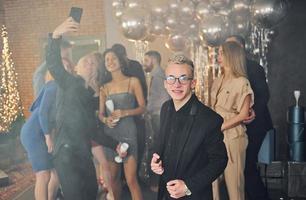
(117,114)
(110,121)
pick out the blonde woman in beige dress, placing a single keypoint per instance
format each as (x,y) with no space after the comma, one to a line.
(232,97)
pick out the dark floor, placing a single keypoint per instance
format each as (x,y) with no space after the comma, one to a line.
(148,195)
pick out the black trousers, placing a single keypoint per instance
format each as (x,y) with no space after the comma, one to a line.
(254,186)
(76,173)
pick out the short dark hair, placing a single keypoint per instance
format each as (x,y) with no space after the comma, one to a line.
(239,39)
(154,54)
(119,49)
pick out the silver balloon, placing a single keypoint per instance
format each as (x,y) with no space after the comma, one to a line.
(267,13)
(118,11)
(186,10)
(133,24)
(157,27)
(135,4)
(193,32)
(224,11)
(172,21)
(239,5)
(218,4)
(240,22)
(118,3)
(173,6)
(177,42)
(204,9)
(214,30)
(280,11)
(149,38)
(196,2)
(159,8)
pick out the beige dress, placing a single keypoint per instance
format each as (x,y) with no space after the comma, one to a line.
(227,99)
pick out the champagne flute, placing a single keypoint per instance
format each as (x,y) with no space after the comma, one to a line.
(110,106)
(123,148)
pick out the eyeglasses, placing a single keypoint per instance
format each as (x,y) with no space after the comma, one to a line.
(182,79)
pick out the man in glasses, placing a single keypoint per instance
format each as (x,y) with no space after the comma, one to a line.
(190,153)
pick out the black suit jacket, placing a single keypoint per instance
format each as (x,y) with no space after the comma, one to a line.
(201,157)
(257,78)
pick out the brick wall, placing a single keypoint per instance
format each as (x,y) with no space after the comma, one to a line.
(29,21)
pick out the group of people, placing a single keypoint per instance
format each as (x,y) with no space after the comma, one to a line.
(195,146)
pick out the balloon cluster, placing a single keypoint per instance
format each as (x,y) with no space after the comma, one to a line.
(197,22)
(198,27)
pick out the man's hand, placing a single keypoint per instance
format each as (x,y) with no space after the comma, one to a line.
(156,164)
(251,117)
(176,188)
(49,143)
(68,26)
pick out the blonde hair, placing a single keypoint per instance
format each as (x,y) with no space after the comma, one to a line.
(233,57)
(93,77)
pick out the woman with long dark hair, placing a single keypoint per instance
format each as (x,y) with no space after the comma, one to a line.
(126,94)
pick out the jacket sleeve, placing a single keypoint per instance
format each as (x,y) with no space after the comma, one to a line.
(47,103)
(55,64)
(217,159)
(259,85)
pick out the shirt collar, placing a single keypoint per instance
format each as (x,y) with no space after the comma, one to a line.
(185,109)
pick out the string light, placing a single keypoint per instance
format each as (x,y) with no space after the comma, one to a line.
(10,103)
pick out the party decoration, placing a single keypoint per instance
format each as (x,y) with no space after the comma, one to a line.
(133,24)
(214,30)
(135,4)
(239,5)
(159,8)
(198,27)
(267,13)
(177,42)
(186,10)
(219,4)
(10,103)
(157,28)
(204,9)
(240,22)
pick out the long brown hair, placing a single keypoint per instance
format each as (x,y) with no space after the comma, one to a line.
(233,57)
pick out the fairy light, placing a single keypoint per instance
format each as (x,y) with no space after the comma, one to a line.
(10,104)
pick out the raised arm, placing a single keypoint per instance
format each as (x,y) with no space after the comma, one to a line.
(53,58)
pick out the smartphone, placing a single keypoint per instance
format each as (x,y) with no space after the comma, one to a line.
(76,13)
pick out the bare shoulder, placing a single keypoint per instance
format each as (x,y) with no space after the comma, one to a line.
(135,81)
